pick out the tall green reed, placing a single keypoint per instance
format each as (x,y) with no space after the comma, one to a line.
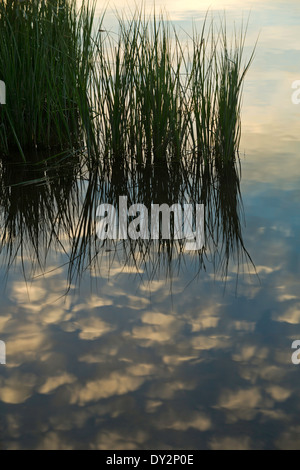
(159,99)
(143,95)
(46,51)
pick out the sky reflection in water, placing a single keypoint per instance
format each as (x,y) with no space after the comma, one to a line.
(122,362)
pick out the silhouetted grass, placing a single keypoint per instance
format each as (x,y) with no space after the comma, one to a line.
(160,99)
(143,95)
(46,53)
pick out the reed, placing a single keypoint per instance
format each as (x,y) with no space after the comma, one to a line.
(46,50)
(143,95)
(161,99)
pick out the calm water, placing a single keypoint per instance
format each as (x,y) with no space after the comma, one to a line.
(134,352)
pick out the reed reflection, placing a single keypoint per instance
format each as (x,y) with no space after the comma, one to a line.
(52,208)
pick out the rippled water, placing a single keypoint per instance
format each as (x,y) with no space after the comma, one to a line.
(134,355)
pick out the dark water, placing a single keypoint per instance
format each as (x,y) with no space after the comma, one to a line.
(149,346)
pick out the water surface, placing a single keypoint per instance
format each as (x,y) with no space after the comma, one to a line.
(122,354)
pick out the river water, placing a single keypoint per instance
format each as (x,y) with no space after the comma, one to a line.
(125,353)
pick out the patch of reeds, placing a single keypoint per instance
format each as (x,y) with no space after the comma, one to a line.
(161,99)
(46,50)
(143,95)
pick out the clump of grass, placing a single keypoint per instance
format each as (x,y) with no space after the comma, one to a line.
(141,96)
(46,50)
(139,92)
(160,100)
(230,81)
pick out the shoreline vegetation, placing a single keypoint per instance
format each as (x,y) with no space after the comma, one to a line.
(149,113)
(142,96)
(45,53)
